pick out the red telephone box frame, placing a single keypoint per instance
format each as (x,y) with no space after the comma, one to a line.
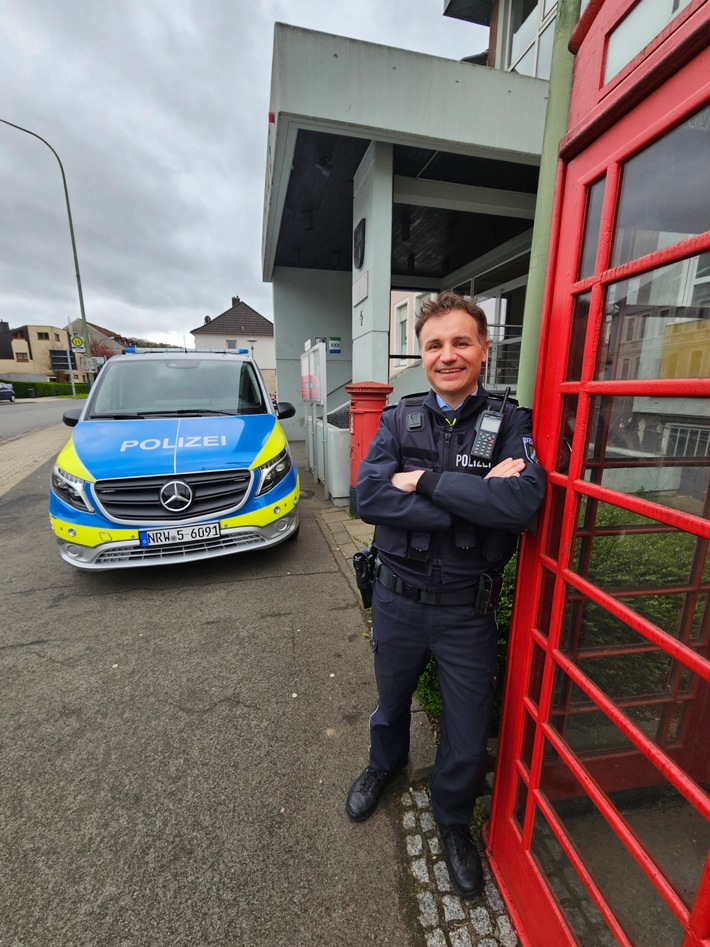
(664,85)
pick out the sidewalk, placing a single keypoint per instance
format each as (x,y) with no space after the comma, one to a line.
(446,919)
(24,453)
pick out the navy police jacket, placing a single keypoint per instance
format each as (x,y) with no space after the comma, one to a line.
(456,525)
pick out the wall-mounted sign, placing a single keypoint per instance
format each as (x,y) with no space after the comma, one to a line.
(334,345)
(360,288)
(359,245)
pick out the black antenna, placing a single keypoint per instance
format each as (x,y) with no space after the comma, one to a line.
(505,399)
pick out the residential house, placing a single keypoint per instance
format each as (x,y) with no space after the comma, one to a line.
(24,351)
(241,327)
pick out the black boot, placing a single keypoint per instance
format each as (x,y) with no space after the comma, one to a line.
(365,792)
(462,860)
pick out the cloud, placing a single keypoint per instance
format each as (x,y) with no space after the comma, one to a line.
(158,110)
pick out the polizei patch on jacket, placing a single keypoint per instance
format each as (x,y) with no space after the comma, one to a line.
(530,451)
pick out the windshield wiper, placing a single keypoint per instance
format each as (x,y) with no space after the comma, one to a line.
(167,413)
(183,413)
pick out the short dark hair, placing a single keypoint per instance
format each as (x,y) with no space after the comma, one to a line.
(445,302)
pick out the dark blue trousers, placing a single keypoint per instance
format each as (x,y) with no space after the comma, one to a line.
(405,634)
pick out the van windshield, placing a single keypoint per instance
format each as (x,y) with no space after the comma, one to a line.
(166,387)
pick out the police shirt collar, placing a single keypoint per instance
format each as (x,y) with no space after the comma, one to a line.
(445,407)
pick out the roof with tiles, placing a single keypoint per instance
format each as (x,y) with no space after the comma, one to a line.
(237,320)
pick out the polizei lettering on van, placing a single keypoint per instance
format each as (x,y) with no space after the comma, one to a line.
(194,440)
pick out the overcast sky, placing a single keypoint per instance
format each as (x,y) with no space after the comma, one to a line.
(158,110)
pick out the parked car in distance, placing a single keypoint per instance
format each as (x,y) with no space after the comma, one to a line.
(176,456)
(7,392)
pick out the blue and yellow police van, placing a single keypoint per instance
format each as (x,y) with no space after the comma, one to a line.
(175,456)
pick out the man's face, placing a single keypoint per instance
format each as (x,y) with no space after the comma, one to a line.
(452,355)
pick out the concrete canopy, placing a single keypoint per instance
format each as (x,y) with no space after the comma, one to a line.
(466,148)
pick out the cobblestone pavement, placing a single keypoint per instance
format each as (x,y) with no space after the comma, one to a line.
(446,919)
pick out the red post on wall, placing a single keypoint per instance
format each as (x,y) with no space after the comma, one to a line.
(367,399)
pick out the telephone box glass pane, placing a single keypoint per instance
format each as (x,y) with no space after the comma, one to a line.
(521,799)
(640,793)
(665,700)
(575,902)
(544,608)
(567,428)
(579,335)
(637,906)
(537,666)
(652,447)
(554,520)
(595,199)
(657,325)
(675,171)
(526,747)
(645,21)
(622,553)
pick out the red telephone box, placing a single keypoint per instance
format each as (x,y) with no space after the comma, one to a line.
(600,829)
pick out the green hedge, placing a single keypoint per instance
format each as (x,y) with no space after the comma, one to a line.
(45,389)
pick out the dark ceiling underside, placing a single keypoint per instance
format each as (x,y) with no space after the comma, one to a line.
(317,224)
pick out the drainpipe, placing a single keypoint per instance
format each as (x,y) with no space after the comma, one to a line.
(555,127)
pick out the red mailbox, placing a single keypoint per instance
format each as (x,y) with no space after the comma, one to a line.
(367,399)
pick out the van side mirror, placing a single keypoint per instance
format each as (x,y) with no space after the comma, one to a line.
(71,416)
(284,409)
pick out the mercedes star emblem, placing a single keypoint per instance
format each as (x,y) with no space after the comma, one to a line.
(176,496)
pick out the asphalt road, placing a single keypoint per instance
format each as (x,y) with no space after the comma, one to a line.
(175,747)
(33,415)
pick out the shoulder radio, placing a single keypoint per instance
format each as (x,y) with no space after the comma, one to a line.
(487,430)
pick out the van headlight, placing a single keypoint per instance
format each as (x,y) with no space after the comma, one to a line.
(273,472)
(71,489)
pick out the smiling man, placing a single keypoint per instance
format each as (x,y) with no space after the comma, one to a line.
(450,480)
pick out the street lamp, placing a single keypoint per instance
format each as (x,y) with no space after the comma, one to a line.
(252,343)
(85,329)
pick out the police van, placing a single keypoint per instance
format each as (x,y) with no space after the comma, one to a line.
(176,456)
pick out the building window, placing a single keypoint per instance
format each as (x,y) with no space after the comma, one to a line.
(402,322)
(531,36)
(232,343)
(685,441)
(43,336)
(22,356)
(56,337)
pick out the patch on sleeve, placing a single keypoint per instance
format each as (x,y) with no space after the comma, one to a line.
(530,451)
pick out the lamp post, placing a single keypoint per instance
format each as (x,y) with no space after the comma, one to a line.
(252,343)
(85,329)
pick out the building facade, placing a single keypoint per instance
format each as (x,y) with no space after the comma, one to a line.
(24,351)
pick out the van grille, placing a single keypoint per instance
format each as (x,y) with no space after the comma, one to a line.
(136,500)
(131,554)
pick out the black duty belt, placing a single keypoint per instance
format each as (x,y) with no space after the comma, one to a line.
(484,594)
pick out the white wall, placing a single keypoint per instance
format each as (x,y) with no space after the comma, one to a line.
(307,304)
(264,347)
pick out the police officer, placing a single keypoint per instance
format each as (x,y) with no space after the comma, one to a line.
(447,514)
